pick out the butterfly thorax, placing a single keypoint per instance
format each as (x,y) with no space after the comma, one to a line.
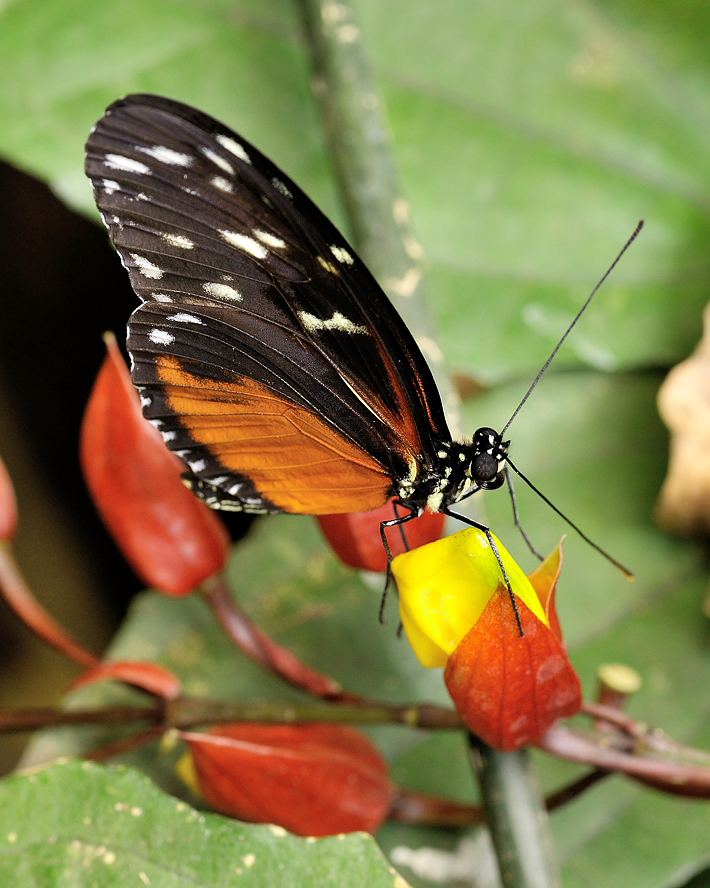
(461,468)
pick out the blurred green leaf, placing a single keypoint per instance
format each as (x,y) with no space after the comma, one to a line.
(86,825)
(529,144)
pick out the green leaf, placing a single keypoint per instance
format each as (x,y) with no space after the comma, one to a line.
(529,146)
(88,826)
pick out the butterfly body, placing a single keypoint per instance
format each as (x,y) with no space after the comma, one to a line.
(265,352)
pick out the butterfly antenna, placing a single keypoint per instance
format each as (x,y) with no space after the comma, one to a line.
(559,344)
(627,573)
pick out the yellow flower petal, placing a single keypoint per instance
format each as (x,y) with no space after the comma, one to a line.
(445,586)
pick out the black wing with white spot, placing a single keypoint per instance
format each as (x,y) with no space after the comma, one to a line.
(254,302)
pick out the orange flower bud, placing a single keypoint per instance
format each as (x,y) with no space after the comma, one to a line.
(355,536)
(457,612)
(312,779)
(8,505)
(171,539)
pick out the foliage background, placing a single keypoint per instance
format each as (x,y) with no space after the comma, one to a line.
(530,139)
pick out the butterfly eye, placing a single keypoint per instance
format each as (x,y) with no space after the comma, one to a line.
(484,467)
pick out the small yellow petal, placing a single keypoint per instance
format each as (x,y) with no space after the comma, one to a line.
(445,586)
(185,769)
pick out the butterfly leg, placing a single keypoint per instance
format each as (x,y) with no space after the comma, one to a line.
(397,521)
(494,548)
(516,514)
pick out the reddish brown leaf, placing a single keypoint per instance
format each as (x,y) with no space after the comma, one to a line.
(147,676)
(172,540)
(8,505)
(508,689)
(312,779)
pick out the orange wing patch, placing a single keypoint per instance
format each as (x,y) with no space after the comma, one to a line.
(298,462)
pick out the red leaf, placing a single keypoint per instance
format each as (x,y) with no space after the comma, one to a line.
(8,505)
(355,536)
(148,677)
(508,689)
(171,539)
(312,779)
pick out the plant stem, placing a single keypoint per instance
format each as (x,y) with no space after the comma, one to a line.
(516,817)
(19,720)
(256,644)
(20,598)
(186,712)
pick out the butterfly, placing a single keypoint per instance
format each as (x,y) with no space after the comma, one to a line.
(265,352)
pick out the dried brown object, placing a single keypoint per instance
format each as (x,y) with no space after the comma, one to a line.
(684,404)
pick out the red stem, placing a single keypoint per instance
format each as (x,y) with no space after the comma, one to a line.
(255,644)
(21,600)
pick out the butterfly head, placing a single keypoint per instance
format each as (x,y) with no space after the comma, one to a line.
(461,470)
(488,458)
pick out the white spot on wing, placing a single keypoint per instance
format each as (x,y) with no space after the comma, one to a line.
(161,297)
(245,243)
(217,160)
(111,187)
(341,254)
(146,268)
(282,187)
(169,436)
(337,322)
(222,184)
(199,465)
(127,164)
(221,291)
(182,317)
(328,266)
(178,240)
(269,239)
(236,149)
(167,155)
(160,337)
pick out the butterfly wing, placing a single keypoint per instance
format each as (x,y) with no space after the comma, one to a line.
(265,352)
